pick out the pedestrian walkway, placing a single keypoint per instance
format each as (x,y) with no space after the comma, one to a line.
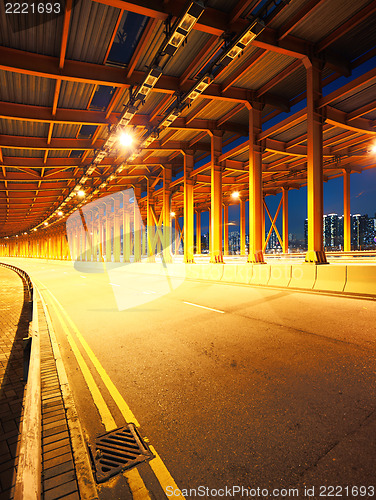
(14,315)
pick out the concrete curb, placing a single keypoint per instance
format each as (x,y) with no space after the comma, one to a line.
(85,478)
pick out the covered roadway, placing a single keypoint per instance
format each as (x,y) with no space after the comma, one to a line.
(241,386)
(121,124)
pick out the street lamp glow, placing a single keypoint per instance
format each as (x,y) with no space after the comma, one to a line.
(80,193)
(373,148)
(235,194)
(125,139)
(60,213)
(172,214)
(46,223)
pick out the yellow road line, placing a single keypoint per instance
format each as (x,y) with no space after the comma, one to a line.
(115,394)
(163,475)
(104,412)
(135,482)
(160,470)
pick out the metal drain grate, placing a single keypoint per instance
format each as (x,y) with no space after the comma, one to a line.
(118,450)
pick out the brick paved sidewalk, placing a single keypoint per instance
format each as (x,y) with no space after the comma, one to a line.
(58,471)
(14,315)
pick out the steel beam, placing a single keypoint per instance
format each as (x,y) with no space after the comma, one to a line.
(255,187)
(316,253)
(346,212)
(188,208)
(216,255)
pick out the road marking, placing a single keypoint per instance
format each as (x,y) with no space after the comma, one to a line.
(114,284)
(160,470)
(105,414)
(204,307)
(164,477)
(135,482)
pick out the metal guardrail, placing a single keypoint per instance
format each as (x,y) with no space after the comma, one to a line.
(29,470)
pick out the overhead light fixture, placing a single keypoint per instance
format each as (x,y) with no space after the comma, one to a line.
(235,194)
(134,155)
(171,117)
(128,114)
(80,193)
(199,88)
(125,139)
(35,229)
(99,157)
(182,27)
(60,213)
(45,223)
(172,214)
(149,82)
(241,42)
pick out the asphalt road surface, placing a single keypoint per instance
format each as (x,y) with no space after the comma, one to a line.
(233,386)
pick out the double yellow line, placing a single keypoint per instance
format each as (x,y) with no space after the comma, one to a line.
(135,481)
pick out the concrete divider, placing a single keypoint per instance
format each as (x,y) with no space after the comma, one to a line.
(214,272)
(193,271)
(229,273)
(303,276)
(330,278)
(361,279)
(280,274)
(244,273)
(260,275)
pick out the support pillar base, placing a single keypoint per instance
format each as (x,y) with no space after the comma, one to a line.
(316,257)
(167,259)
(216,259)
(256,258)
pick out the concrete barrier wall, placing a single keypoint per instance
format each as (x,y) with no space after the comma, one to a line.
(229,273)
(261,274)
(302,276)
(244,273)
(280,274)
(331,278)
(361,279)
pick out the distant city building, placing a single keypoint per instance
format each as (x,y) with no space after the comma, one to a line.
(273,242)
(363,232)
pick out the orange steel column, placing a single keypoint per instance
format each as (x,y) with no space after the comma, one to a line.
(137,225)
(108,232)
(225,229)
(216,199)
(285,219)
(101,221)
(256,207)
(166,214)
(315,209)
(346,212)
(242,227)
(117,219)
(210,232)
(198,232)
(126,227)
(188,208)
(150,225)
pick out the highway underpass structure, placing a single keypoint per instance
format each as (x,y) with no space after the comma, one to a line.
(121,124)
(208,95)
